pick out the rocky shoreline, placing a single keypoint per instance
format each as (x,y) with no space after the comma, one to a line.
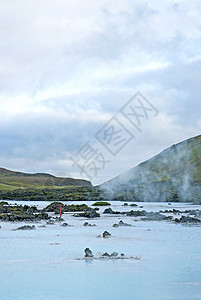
(17,212)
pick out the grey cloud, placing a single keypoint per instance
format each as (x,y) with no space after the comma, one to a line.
(78,67)
(41,137)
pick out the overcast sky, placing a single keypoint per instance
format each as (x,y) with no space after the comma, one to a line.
(68,67)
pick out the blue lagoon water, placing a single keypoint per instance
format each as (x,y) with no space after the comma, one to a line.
(42,263)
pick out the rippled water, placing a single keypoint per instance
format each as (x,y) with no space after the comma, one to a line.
(41,263)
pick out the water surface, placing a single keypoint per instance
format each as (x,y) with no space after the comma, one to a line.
(42,263)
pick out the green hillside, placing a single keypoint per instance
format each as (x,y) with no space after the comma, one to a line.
(172,175)
(10,180)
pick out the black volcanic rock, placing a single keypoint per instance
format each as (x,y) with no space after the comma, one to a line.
(110,211)
(88,253)
(106,234)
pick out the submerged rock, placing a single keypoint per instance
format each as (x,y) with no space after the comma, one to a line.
(88,224)
(114,254)
(65,224)
(187,220)
(88,214)
(105,254)
(174,211)
(136,213)
(26,227)
(57,219)
(88,252)
(121,223)
(154,216)
(50,222)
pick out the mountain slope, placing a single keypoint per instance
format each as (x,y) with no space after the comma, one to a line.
(172,175)
(11,180)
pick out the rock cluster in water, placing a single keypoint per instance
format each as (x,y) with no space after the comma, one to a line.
(14,212)
(106,255)
(10,212)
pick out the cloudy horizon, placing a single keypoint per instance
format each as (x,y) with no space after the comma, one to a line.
(68,67)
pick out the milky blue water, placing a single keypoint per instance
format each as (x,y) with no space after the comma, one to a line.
(42,263)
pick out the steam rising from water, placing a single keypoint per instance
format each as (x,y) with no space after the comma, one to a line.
(172,175)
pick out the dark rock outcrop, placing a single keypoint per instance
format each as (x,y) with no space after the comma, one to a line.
(88,253)
(110,211)
(106,234)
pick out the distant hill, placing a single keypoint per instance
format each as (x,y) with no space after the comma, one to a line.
(172,175)
(10,180)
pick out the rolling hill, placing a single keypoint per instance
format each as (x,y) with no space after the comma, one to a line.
(172,175)
(10,180)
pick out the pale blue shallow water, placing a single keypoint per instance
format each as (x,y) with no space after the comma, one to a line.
(32,266)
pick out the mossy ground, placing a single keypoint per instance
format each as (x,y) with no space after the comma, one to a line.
(53,194)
